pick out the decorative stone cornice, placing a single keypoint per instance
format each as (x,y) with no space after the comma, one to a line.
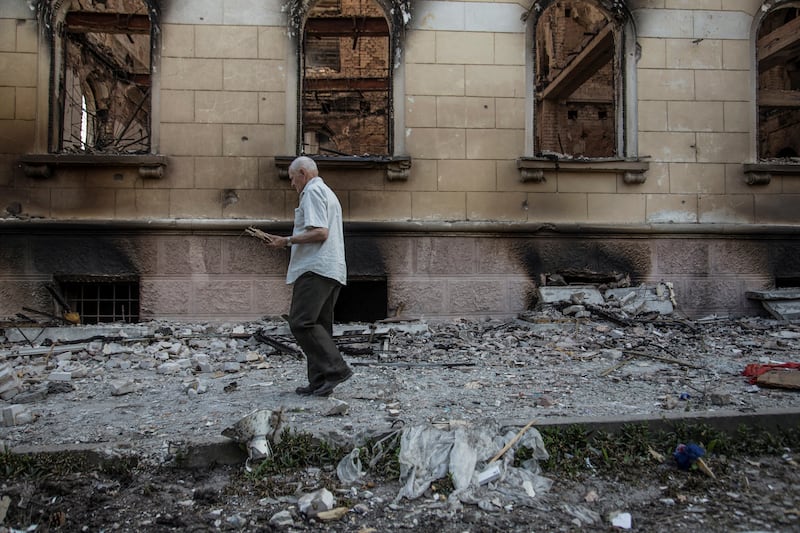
(151,166)
(532,169)
(761,173)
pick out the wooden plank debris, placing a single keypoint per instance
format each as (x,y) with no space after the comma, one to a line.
(784,379)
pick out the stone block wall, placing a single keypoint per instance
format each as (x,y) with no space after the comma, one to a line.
(224,275)
(224,106)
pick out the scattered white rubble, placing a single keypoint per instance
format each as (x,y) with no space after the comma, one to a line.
(160,381)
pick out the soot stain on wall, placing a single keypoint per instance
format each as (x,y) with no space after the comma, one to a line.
(548,256)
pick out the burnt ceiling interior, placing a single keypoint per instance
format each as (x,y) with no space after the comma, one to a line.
(577,77)
(779,84)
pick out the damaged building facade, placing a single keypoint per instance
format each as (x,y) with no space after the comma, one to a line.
(476,148)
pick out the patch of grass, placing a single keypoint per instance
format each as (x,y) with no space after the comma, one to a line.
(379,455)
(298,450)
(14,466)
(575,450)
(382,455)
(40,466)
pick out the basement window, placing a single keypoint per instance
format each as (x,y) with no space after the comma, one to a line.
(583,100)
(102,299)
(102,71)
(346,80)
(363,299)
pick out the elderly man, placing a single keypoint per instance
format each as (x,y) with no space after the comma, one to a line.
(318,271)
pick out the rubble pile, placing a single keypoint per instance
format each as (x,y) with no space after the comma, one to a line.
(146,387)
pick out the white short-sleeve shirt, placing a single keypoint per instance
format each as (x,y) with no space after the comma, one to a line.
(319,208)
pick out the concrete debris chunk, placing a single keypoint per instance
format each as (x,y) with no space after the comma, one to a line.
(169,368)
(15,415)
(195,387)
(573,309)
(231,367)
(247,357)
(313,503)
(571,294)
(643,299)
(783,304)
(282,519)
(337,407)
(122,386)
(10,385)
(35,394)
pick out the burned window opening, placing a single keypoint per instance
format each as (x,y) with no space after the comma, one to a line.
(362,300)
(102,299)
(103,91)
(778,53)
(346,80)
(578,69)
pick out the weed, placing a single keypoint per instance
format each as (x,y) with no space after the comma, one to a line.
(574,450)
(40,465)
(443,486)
(298,450)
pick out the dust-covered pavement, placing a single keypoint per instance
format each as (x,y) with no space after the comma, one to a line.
(146,387)
(151,390)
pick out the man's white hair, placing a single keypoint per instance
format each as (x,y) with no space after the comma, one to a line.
(306,163)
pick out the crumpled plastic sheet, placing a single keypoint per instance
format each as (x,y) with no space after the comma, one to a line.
(428,453)
(349,469)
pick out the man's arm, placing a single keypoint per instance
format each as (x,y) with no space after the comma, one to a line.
(310,235)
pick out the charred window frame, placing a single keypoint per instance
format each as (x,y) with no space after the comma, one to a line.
(101,76)
(582,97)
(346,96)
(347,90)
(776,38)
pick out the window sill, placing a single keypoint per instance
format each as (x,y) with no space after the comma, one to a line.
(151,166)
(761,173)
(532,169)
(398,168)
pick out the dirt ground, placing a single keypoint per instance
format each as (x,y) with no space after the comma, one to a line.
(753,494)
(117,392)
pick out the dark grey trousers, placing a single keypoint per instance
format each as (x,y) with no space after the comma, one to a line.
(311,322)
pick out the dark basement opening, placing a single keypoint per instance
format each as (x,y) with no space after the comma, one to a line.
(787,282)
(362,300)
(102,299)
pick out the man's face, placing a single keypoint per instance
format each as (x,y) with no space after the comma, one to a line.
(298,179)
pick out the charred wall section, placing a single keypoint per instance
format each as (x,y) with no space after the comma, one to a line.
(223,275)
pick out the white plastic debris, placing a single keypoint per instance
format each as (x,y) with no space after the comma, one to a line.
(349,469)
(428,453)
(256,430)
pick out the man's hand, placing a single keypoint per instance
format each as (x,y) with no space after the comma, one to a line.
(273,241)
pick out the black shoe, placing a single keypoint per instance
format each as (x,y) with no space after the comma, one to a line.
(327,388)
(307,390)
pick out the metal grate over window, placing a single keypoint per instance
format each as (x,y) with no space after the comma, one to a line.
(101,301)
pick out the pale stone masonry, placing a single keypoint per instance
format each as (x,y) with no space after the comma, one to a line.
(462,234)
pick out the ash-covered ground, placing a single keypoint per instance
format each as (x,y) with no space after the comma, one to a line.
(150,389)
(142,387)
